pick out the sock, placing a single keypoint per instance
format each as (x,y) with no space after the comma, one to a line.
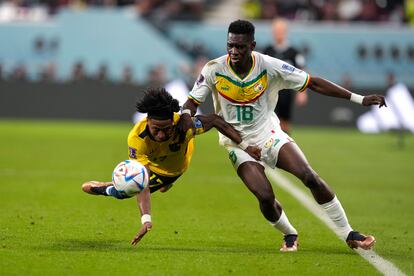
(284,226)
(337,214)
(111,191)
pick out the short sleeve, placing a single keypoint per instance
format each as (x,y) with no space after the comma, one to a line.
(288,76)
(203,86)
(137,150)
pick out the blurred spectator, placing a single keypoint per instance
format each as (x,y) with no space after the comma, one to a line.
(157,76)
(327,10)
(48,72)
(102,74)
(409,11)
(346,81)
(252,9)
(281,49)
(78,72)
(159,12)
(269,9)
(19,73)
(127,77)
(18,10)
(349,9)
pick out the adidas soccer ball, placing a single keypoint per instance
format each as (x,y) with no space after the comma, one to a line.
(130,177)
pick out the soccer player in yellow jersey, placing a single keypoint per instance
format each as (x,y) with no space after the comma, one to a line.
(245,86)
(156,144)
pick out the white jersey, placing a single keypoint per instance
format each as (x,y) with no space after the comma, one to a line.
(248,103)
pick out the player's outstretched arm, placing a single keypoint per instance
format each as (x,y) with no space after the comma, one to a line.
(328,88)
(144,203)
(185,122)
(213,120)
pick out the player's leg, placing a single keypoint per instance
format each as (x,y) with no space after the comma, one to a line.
(292,159)
(161,183)
(102,188)
(252,174)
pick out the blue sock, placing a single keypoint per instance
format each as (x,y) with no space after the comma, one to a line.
(115,193)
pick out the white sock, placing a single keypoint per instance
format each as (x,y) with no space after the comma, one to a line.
(284,226)
(337,214)
(108,189)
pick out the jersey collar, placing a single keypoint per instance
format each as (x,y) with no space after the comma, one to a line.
(250,71)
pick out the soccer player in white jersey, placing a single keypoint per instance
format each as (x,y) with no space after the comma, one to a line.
(244,85)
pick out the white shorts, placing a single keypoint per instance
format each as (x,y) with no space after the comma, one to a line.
(270,151)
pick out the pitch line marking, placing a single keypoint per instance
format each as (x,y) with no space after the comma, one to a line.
(382,265)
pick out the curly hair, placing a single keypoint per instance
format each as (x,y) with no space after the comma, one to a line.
(242,27)
(158,103)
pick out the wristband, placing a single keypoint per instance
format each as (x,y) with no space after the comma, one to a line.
(186,111)
(243,145)
(356,98)
(145,218)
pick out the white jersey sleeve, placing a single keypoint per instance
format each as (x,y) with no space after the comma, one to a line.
(287,76)
(204,84)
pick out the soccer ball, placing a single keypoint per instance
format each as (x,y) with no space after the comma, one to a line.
(130,177)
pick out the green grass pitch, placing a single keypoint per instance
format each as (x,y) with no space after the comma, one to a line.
(208,223)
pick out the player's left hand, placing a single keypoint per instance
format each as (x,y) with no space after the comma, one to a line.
(374,100)
(254,152)
(144,229)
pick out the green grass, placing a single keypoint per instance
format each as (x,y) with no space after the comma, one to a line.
(208,224)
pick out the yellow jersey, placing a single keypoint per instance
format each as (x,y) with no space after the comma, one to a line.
(168,158)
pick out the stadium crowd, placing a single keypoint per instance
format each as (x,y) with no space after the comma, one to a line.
(158,11)
(328,10)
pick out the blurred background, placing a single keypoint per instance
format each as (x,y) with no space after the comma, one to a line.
(91,59)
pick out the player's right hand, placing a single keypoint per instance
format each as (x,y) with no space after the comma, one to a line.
(374,100)
(184,124)
(254,152)
(144,229)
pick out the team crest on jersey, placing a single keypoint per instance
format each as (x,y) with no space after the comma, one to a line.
(271,143)
(258,87)
(288,68)
(132,152)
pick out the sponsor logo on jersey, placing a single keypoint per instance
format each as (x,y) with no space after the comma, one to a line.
(132,153)
(233,157)
(200,79)
(288,68)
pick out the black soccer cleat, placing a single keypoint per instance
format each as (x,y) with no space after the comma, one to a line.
(96,188)
(290,243)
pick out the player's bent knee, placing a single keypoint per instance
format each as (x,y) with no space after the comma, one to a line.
(266,198)
(311,179)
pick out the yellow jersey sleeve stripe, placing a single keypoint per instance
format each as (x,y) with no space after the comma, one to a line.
(194,100)
(305,85)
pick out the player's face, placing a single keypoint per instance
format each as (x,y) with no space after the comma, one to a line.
(279,29)
(239,48)
(161,130)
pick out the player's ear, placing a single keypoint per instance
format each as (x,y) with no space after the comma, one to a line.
(253,45)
